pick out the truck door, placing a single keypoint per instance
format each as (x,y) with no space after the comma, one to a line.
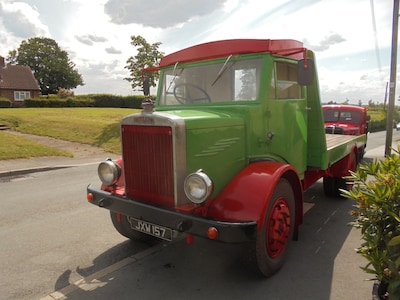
(287,116)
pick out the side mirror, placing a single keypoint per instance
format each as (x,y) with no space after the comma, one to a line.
(305,71)
(146,86)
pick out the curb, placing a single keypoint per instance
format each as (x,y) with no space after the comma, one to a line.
(21,172)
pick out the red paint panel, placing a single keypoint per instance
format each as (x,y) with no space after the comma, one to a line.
(225,48)
(246,197)
(148,163)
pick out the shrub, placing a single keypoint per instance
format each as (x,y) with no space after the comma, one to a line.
(69,102)
(4,102)
(376,191)
(106,100)
(64,93)
(93,100)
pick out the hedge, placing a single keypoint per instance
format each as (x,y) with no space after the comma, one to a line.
(4,102)
(68,102)
(96,100)
(105,100)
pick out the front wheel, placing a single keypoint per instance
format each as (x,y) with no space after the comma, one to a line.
(277,232)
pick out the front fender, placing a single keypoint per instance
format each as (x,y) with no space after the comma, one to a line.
(247,195)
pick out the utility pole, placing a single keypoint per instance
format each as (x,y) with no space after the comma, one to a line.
(392,85)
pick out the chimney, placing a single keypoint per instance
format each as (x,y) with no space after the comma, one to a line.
(2,63)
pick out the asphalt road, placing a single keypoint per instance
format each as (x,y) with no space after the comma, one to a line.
(50,236)
(54,245)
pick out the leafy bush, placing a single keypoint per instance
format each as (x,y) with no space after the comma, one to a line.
(64,93)
(376,191)
(4,102)
(51,102)
(377,125)
(106,100)
(95,100)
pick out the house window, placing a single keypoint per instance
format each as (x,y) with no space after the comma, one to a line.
(21,95)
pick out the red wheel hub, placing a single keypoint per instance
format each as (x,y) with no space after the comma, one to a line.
(278,229)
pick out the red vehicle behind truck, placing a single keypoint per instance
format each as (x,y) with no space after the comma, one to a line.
(346,119)
(226,150)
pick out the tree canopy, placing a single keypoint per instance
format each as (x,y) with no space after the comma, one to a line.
(147,56)
(51,66)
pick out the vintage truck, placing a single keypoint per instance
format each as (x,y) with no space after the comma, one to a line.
(234,137)
(346,119)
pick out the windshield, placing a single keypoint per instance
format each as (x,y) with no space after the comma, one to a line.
(227,81)
(332,115)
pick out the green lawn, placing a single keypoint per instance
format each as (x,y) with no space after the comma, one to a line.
(93,126)
(13,146)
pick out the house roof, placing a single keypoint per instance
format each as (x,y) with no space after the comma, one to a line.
(17,78)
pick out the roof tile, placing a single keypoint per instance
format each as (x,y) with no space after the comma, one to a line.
(17,77)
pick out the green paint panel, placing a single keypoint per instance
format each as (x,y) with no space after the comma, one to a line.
(219,150)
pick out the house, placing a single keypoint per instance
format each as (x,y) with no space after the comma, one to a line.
(17,83)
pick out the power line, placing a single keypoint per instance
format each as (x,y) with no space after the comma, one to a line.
(378,57)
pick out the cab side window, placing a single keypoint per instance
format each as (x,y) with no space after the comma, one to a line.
(284,83)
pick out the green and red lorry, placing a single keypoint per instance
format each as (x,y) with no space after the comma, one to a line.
(346,119)
(234,137)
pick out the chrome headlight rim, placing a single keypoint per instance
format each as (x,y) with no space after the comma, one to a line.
(109,172)
(198,187)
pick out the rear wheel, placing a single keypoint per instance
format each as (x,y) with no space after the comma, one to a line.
(123,226)
(332,186)
(277,232)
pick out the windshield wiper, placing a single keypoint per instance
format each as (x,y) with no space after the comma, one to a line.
(175,75)
(223,69)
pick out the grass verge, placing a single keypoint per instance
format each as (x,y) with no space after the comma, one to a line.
(94,126)
(12,147)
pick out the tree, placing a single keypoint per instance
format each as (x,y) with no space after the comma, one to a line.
(12,57)
(248,80)
(51,66)
(147,56)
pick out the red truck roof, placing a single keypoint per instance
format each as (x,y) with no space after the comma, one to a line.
(344,107)
(225,48)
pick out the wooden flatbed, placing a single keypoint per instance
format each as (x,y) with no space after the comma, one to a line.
(339,145)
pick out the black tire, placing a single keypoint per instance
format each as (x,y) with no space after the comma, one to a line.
(276,234)
(123,226)
(333,185)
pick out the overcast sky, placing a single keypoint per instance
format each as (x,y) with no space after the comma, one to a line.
(353,52)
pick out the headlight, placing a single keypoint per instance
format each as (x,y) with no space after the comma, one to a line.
(198,187)
(109,172)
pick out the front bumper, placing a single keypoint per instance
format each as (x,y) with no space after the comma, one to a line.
(230,232)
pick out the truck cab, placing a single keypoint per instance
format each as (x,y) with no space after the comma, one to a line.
(346,119)
(225,151)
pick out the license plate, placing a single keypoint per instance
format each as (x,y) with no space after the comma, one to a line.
(151,229)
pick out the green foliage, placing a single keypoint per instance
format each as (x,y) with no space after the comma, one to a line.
(376,191)
(57,102)
(377,125)
(105,100)
(147,56)
(51,65)
(94,100)
(64,93)
(378,118)
(4,102)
